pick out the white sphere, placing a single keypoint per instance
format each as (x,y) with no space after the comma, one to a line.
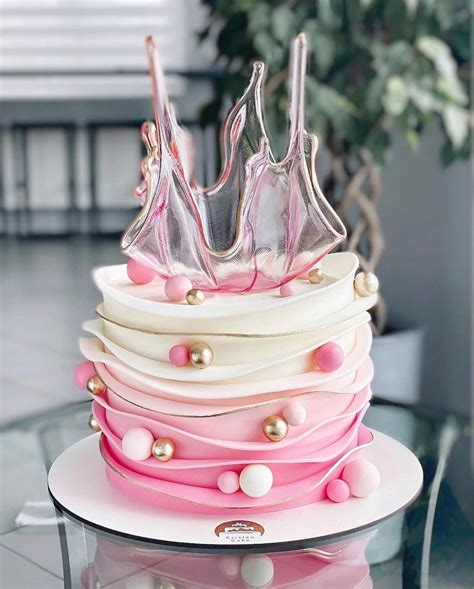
(137,443)
(256,480)
(257,570)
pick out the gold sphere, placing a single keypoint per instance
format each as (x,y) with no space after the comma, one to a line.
(163,449)
(195,297)
(93,423)
(275,428)
(201,355)
(366,284)
(315,275)
(96,386)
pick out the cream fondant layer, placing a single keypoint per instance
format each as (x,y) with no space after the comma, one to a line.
(232,349)
(281,363)
(356,369)
(121,395)
(145,307)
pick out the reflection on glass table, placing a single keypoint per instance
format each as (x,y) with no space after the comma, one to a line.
(428,545)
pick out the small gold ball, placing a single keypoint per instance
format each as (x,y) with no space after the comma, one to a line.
(366,284)
(163,449)
(315,275)
(93,423)
(96,386)
(201,355)
(195,297)
(275,428)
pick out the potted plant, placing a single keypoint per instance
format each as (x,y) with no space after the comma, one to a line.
(377,66)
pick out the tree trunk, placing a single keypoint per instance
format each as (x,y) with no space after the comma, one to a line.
(354,189)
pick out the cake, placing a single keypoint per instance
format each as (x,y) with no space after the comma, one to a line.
(229,361)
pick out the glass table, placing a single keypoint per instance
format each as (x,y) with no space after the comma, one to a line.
(430,544)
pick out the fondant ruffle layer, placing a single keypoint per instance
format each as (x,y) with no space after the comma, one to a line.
(191,497)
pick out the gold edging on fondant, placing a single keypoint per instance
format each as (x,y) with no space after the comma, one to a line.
(148,488)
(206,334)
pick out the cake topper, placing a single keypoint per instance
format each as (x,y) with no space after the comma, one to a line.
(261,224)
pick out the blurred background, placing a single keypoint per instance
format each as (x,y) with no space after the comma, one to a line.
(387,93)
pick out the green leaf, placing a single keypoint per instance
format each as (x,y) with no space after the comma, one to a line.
(413,139)
(336,107)
(411,6)
(265,44)
(396,97)
(439,53)
(456,123)
(393,58)
(328,15)
(322,45)
(283,23)
(423,97)
(379,144)
(259,17)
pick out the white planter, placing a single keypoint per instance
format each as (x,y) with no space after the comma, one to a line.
(398,361)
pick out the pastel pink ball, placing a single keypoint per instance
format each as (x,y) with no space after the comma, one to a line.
(82,373)
(137,443)
(229,566)
(177,287)
(338,491)
(287,290)
(228,482)
(179,355)
(294,413)
(329,357)
(138,273)
(362,476)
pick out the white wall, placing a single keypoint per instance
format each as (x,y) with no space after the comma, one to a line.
(426,271)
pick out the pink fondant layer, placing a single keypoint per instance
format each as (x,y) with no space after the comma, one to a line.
(186,497)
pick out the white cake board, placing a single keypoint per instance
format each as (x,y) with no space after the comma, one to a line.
(80,489)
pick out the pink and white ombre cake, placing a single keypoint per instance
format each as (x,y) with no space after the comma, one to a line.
(229,361)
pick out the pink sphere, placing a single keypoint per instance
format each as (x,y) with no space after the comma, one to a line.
(338,491)
(228,482)
(179,355)
(362,476)
(137,443)
(295,413)
(82,373)
(138,273)
(229,566)
(287,290)
(329,357)
(177,287)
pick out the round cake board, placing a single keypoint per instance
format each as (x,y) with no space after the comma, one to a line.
(80,490)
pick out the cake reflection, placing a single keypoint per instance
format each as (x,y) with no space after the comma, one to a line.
(121,565)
